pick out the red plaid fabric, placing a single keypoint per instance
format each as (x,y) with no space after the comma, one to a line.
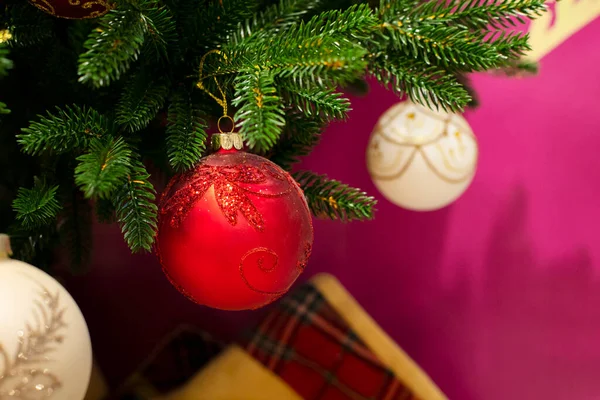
(306,343)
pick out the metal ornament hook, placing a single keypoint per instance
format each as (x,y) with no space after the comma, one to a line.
(222,101)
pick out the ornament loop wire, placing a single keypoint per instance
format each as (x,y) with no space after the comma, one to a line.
(222,101)
(228,118)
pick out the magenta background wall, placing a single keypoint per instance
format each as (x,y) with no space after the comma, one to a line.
(497,296)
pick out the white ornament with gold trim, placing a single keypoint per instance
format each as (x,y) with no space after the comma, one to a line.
(45,348)
(421,159)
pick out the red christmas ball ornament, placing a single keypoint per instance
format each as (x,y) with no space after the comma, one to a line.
(234,232)
(74,9)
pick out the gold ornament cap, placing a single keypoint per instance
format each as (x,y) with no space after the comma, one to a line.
(227,140)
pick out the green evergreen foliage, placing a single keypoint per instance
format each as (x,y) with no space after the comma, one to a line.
(325,103)
(520,68)
(423,83)
(214,19)
(112,47)
(66,130)
(186,134)
(161,33)
(479,14)
(103,168)
(104,96)
(135,208)
(27,25)
(37,206)
(301,134)
(141,99)
(5,63)
(328,198)
(260,114)
(278,17)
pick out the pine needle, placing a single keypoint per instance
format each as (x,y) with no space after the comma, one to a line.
(260,113)
(141,99)
(186,135)
(103,168)
(67,129)
(328,198)
(136,211)
(37,206)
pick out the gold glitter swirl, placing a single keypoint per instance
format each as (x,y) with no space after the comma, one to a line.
(72,9)
(45,6)
(20,379)
(375,160)
(266,261)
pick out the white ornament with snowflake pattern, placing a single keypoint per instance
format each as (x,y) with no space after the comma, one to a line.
(421,159)
(45,348)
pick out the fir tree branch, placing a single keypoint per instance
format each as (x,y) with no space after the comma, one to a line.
(298,55)
(5,63)
(301,134)
(260,113)
(65,130)
(328,198)
(429,85)
(325,103)
(186,135)
(28,25)
(317,52)
(425,33)
(111,47)
(210,25)
(274,19)
(450,46)
(466,84)
(391,9)
(479,14)
(104,168)
(511,46)
(141,99)
(161,30)
(4,108)
(520,68)
(136,211)
(37,206)
(354,23)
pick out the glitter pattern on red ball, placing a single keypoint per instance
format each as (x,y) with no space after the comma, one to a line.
(235,232)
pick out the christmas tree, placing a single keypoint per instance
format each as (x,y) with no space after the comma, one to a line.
(96,109)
